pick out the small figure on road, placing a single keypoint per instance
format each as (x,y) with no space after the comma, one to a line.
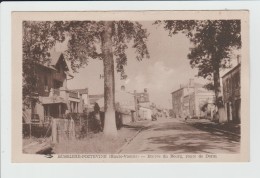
(186,116)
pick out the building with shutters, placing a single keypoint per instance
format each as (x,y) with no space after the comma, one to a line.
(54,99)
(232,94)
(192,100)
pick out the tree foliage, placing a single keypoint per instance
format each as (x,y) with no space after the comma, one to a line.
(84,44)
(103,40)
(38,38)
(213,42)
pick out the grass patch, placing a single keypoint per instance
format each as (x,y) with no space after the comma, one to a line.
(96,143)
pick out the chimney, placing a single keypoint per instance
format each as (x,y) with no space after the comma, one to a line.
(122,88)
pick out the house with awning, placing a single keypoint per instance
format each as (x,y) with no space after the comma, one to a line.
(54,99)
(78,99)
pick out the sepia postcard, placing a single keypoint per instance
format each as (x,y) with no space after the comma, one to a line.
(130,86)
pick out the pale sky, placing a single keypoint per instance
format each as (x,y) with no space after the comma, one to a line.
(167,68)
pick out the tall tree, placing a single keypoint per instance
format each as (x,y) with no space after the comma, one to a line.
(106,41)
(213,43)
(109,79)
(38,38)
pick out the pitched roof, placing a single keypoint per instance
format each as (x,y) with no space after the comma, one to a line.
(234,68)
(55,56)
(47,66)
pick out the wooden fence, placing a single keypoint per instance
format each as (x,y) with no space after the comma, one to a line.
(62,130)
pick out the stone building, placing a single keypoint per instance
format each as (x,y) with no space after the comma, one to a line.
(232,94)
(192,100)
(199,103)
(132,105)
(178,106)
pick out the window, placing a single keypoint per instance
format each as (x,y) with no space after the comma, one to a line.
(238,80)
(228,85)
(46,88)
(57,84)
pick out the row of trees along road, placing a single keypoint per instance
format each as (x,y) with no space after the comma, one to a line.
(108,40)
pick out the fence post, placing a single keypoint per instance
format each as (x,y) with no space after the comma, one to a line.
(54,131)
(72,129)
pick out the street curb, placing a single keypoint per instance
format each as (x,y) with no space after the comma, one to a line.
(216,129)
(129,140)
(225,131)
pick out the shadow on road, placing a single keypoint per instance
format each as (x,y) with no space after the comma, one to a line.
(186,139)
(209,126)
(137,127)
(187,143)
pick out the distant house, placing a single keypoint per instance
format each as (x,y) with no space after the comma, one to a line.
(83,94)
(190,100)
(92,99)
(178,104)
(134,105)
(54,99)
(144,105)
(124,104)
(145,112)
(200,103)
(232,94)
(143,97)
(127,104)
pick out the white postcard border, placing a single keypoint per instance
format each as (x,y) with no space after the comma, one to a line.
(154,170)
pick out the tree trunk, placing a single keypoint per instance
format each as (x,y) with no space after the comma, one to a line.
(216,83)
(109,81)
(217,87)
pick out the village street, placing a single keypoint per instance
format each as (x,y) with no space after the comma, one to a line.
(93,110)
(177,136)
